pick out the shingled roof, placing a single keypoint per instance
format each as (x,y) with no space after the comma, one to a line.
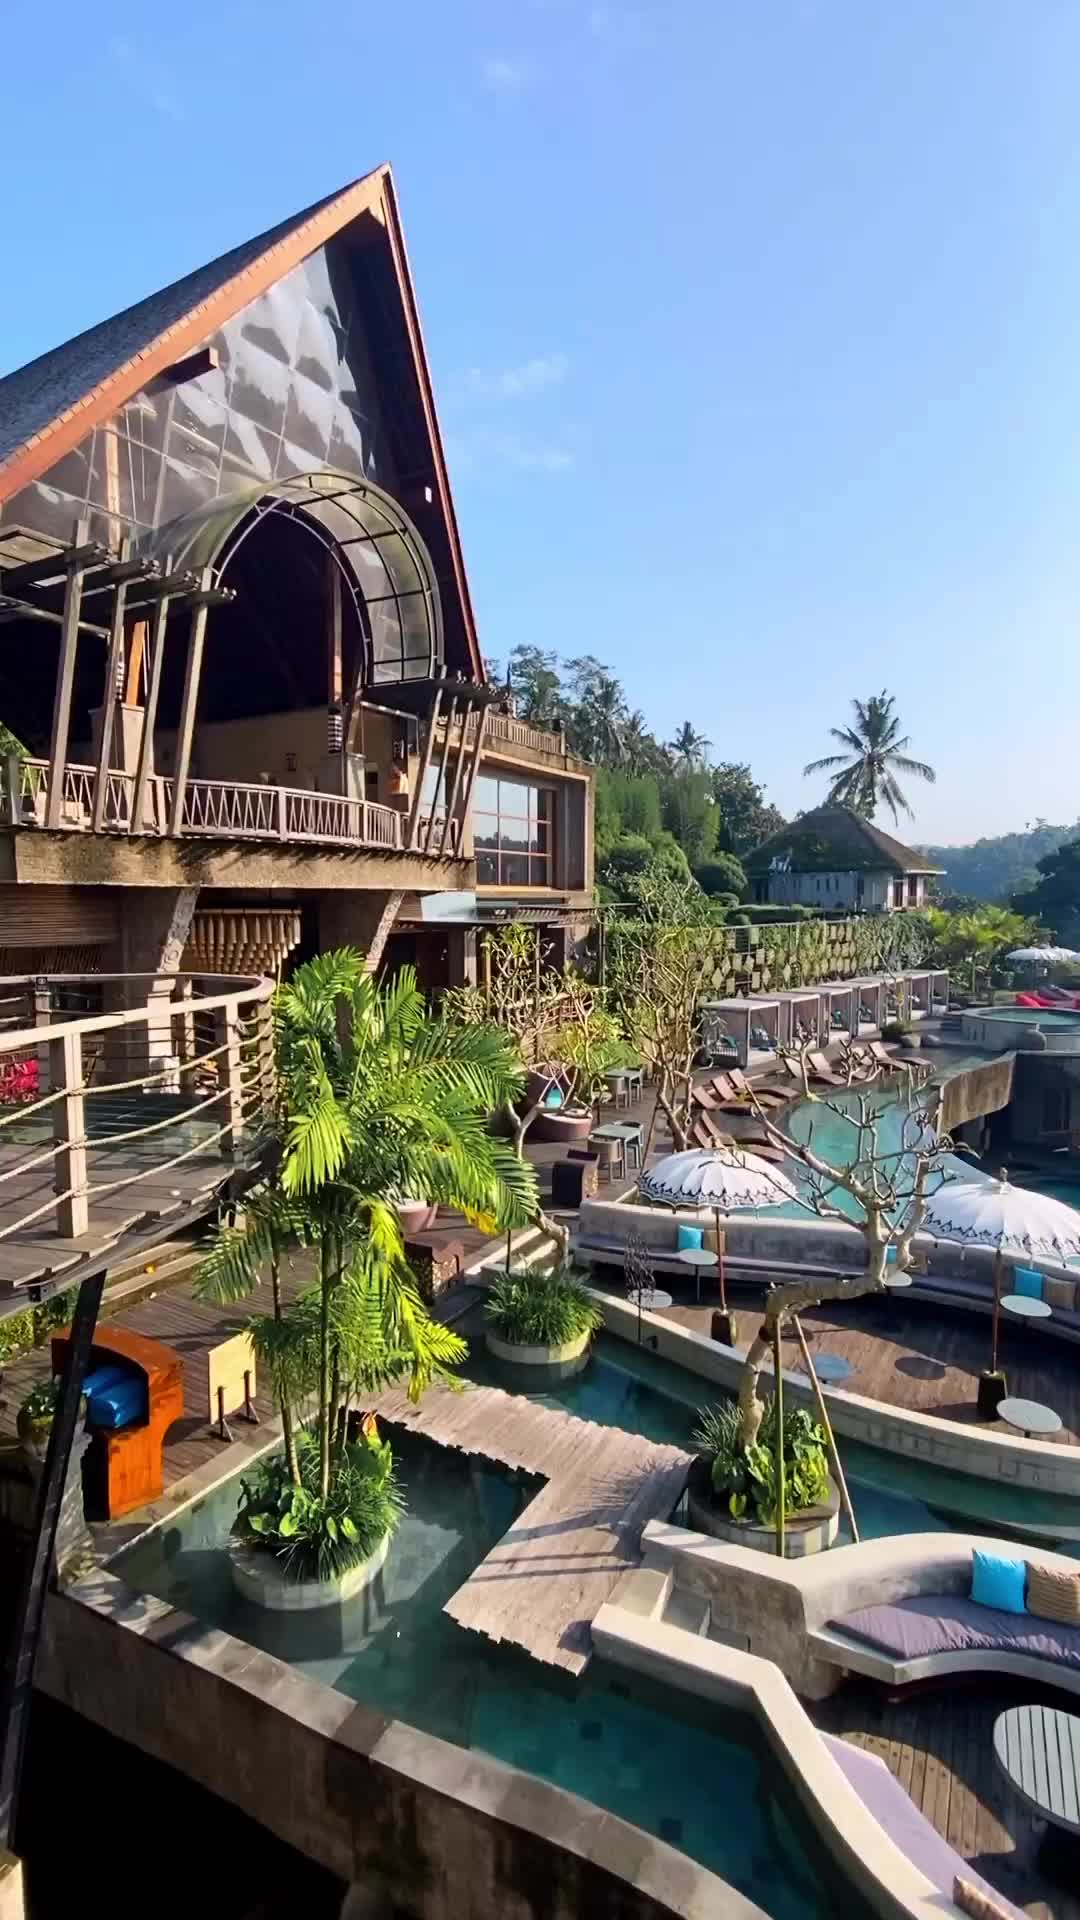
(33,396)
(834,839)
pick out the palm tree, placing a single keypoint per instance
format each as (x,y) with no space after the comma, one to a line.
(865,773)
(378,1103)
(689,749)
(639,746)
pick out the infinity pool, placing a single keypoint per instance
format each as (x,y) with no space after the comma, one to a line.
(695,1775)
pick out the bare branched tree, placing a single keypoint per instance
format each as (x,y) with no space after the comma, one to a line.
(660,960)
(889,1186)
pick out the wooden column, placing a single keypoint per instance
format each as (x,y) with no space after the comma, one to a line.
(425,762)
(153,688)
(474,768)
(441,774)
(69,1134)
(230,1078)
(334,673)
(452,799)
(113,668)
(65,683)
(192,676)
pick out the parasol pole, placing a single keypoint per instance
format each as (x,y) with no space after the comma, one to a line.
(778,1407)
(720,1260)
(823,1416)
(996,1322)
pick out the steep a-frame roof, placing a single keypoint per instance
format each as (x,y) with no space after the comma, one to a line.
(49,405)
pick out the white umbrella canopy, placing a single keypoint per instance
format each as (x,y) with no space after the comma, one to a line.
(723,1179)
(1046,955)
(991,1213)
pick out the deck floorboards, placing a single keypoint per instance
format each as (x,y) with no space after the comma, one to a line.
(542,1584)
(939,1745)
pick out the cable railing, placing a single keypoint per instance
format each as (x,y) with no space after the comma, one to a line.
(125,1114)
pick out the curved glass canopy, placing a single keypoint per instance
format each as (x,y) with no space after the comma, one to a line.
(385,565)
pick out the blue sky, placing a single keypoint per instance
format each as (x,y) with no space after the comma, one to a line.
(754,327)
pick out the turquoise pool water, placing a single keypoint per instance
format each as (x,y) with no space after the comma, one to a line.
(1029,1016)
(695,1775)
(627,1386)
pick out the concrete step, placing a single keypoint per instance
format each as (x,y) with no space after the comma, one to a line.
(688,1611)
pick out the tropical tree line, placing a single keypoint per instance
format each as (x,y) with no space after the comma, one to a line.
(660,804)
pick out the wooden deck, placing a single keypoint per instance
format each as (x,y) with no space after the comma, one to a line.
(541,1586)
(939,1745)
(921,1356)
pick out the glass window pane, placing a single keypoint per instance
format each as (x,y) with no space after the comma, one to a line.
(486,794)
(487,869)
(515,870)
(539,872)
(514,799)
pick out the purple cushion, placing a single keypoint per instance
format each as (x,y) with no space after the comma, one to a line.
(894,1810)
(949,1623)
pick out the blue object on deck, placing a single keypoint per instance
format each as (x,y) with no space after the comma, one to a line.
(121,1404)
(890,1256)
(101,1378)
(1028,1283)
(553,1097)
(690,1237)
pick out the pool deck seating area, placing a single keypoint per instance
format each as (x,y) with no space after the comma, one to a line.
(542,1585)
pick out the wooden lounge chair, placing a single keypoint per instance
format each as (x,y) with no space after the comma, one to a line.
(821,1070)
(721,1085)
(883,1057)
(701,1097)
(741,1090)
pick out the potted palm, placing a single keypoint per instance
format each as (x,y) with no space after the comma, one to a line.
(375,1099)
(538,1319)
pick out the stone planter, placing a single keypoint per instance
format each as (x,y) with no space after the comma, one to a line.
(415,1216)
(258,1577)
(804,1533)
(556,1363)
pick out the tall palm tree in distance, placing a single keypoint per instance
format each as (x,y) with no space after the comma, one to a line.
(689,748)
(865,773)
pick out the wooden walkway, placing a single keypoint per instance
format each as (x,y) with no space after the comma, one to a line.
(940,1747)
(923,1356)
(541,1586)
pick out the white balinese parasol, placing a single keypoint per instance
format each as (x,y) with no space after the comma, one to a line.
(1042,956)
(721,1178)
(1012,1220)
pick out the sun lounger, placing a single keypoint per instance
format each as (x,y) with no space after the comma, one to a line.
(882,1055)
(821,1070)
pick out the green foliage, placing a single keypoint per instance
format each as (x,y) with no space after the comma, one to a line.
(864,774)
(535,1309)
(896,1030)
(317,1536)
(722,874)
(999,866)
(664,794)
(378,1102)
(31,1328)
(974,945)
(745,1478)
(1055,897)
(39,1406)
(746,817)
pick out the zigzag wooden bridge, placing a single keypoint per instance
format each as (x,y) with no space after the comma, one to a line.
(541,1586)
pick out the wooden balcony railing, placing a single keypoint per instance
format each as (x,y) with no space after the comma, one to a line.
(503,729)
(123,1115)
(214,809)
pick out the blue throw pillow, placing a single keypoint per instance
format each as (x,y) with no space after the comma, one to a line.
(553,1097)
(1028,1283)
(997,1582)
(690,1237)
(890,1256)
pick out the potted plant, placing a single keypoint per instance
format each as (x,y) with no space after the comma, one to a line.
(541,1319)
(294,1544)
(33,1422)
(375,1099)
(732,1490)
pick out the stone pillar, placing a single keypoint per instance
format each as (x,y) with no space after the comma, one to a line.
(358,919)
(157,923)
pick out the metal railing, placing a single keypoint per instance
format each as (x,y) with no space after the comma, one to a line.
(216,809)
(123,1114)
